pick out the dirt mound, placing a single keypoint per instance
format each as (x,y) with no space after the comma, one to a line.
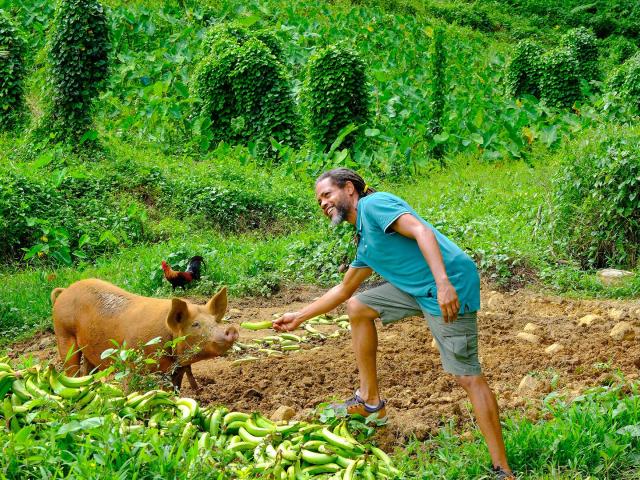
(421,397)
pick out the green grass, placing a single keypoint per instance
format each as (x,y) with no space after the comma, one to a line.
(595,436)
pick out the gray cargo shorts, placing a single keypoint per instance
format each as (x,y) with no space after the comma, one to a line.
(457,341)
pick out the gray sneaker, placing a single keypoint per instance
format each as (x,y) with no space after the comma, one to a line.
(500,474)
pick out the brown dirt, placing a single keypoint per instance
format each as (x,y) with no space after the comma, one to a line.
(421,397)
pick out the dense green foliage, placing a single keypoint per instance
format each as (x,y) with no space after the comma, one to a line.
(243,87)
(335,95)
(524,69)
(78,53)
(598,199)
(604,17)
(78,213)
(12,72)
(559,80)
(585,50)
(625,80)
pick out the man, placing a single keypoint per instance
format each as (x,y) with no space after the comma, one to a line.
(426,274)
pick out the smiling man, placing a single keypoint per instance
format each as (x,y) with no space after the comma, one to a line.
(426,274)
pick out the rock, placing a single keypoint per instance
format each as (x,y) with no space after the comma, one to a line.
(616,315)
(622,331)
(553,349)
(529,337)
(283,413)
(434,344)
(494,301)
(612,277)
(528,384)
(531,328)
(587,320)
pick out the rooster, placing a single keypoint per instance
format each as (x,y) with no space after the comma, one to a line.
(181,279)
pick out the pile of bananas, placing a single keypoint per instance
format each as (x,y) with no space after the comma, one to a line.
(297,450)
(284,450)
(278,345)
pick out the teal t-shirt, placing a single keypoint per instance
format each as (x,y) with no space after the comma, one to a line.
(398,259)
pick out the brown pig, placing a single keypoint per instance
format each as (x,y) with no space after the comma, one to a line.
(90,313)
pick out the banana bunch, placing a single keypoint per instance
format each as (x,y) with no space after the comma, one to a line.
(294,450)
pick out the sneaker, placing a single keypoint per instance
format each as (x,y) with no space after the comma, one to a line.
(501,474)
(357,406)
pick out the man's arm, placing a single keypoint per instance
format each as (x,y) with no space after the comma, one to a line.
(327,302)
(411,227)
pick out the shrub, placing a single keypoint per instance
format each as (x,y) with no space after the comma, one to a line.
(559,81)
(620,49)
(243,87)
(12,71)
(78,52)
(626,80)
(263,95)
(598,199)
(523,71)
(584,46)
(334,95)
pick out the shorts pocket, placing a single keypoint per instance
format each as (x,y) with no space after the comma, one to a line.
(462,347)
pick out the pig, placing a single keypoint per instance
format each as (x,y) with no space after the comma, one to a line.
(90,313)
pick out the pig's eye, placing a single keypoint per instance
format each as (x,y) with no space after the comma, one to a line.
(195,324)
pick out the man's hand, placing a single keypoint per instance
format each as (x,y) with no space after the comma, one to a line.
(448,301)
(287,322)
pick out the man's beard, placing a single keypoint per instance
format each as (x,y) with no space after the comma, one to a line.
(341,214)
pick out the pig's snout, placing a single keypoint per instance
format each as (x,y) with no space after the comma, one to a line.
(231,334)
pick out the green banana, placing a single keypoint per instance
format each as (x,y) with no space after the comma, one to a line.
(235,416)
(204,442)
(343,431)
(6,383)
(68,393)
(188,407)
(18,389)
(5,367)
(337,440)
(316,458)
(251,427)
(247,437)
(85,399)
(241,446)
(385,460)
(349,473)
(75,382)
(257,325)
(216,420)
(291,336)
(318,469)
(36,391)
(288,452)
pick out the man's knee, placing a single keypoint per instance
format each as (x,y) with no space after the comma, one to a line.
(359,311)
(470,382)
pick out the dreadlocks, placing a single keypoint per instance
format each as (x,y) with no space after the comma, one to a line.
(340,176)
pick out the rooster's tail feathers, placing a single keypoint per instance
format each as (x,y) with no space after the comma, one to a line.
(194,266)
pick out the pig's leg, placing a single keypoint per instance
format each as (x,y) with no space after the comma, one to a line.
(190,377)
(70,354)
(88,366)
(177,376)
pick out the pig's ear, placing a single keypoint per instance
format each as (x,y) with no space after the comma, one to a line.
(217,306)
(178,318)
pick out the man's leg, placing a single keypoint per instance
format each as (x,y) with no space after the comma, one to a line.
(487,415)
(364,338)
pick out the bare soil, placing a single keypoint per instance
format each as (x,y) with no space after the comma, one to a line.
(421,397)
